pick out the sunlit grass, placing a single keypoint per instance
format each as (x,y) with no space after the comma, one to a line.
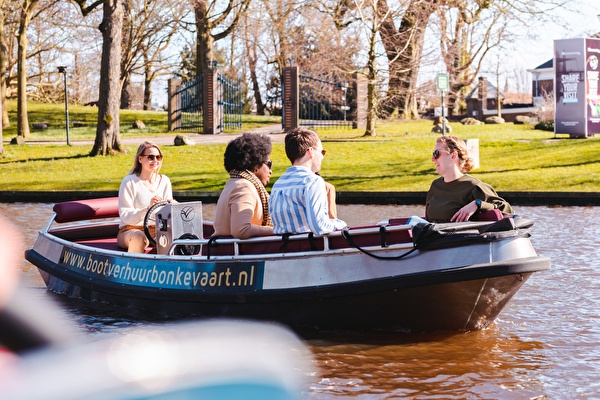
(398,159)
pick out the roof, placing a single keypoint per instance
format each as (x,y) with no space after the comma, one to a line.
(491,92)
(546,65)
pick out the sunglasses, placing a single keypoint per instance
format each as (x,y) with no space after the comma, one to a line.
(151,157)
(437,154)
(268,163)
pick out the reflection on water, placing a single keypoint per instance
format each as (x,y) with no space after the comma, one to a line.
(545,342)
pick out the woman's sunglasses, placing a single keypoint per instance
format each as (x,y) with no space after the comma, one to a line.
(151,157)
(437,154)
(268,163)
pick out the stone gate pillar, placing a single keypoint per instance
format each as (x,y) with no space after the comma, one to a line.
(361,99)
(210,102)
(481,97)
(174,114)
(290,98)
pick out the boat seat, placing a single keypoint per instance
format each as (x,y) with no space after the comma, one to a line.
(81,210)
(489,215)
(110,244)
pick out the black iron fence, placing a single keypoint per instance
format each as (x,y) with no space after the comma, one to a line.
(324,103)
(230,103)
(189,106)
(209,103)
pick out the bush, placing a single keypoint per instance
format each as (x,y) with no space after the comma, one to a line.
(545,126)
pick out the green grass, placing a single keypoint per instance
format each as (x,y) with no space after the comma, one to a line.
(512,157)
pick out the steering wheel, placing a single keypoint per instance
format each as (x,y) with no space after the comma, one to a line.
(150,217)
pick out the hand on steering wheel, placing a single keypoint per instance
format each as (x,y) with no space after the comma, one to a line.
(150,217)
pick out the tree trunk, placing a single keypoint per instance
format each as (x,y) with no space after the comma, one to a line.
(404,48)
(127,94)
(252,61)
(372,71)
(1,143)
(148,78)
(107,133)
(3,75)
(204,39)
(22,119)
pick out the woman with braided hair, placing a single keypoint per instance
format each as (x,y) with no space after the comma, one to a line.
(456,196)
(243,206)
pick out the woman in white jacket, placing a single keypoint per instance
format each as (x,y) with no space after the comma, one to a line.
(143,187)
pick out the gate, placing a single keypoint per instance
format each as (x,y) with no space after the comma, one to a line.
(189,106)
(208,103)
(326,104)
(230,103)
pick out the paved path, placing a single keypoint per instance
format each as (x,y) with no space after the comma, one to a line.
(273,131)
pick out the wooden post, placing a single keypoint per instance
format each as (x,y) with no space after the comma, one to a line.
(174,113)
(291,98)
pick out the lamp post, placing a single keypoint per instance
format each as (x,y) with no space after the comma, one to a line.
(345,106)
(63,70)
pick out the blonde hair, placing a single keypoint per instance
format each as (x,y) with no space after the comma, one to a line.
(453,143)
(137,166)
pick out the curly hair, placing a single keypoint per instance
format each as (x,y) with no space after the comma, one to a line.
(453,143)
(247,152)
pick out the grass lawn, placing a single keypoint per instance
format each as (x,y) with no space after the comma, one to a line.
(512,157)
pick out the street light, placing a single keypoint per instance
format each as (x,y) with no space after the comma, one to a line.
(63,70)
(345,107)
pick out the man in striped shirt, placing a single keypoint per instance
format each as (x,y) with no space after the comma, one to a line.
(298,202)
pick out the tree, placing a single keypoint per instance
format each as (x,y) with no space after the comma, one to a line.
(404,48)
(8,31)
(108,133)
(108,138)
(149,28)
(27,9)
(209,16)
(468,32)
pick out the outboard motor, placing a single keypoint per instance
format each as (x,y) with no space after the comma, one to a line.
(179,221)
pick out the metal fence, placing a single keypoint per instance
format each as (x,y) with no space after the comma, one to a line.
(230,103)
(325,103)
(189,102)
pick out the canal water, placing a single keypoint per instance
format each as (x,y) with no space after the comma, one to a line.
(544,345)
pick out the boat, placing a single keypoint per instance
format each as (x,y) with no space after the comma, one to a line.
(389,277)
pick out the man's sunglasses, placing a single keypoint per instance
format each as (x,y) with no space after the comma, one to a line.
(268,163)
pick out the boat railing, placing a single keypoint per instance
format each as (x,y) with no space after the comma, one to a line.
(372,237)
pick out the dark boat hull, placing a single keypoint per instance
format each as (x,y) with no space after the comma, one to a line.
(456,277)
(460,300)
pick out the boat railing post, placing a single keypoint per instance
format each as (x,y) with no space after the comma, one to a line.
(50,221)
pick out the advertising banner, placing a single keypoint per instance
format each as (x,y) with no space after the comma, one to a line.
(592,96)
(570,114)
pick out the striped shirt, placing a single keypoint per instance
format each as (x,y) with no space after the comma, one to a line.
(298,204)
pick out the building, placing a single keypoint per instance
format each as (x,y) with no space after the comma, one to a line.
(542,81)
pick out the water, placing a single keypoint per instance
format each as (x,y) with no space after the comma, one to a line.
(545,344)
